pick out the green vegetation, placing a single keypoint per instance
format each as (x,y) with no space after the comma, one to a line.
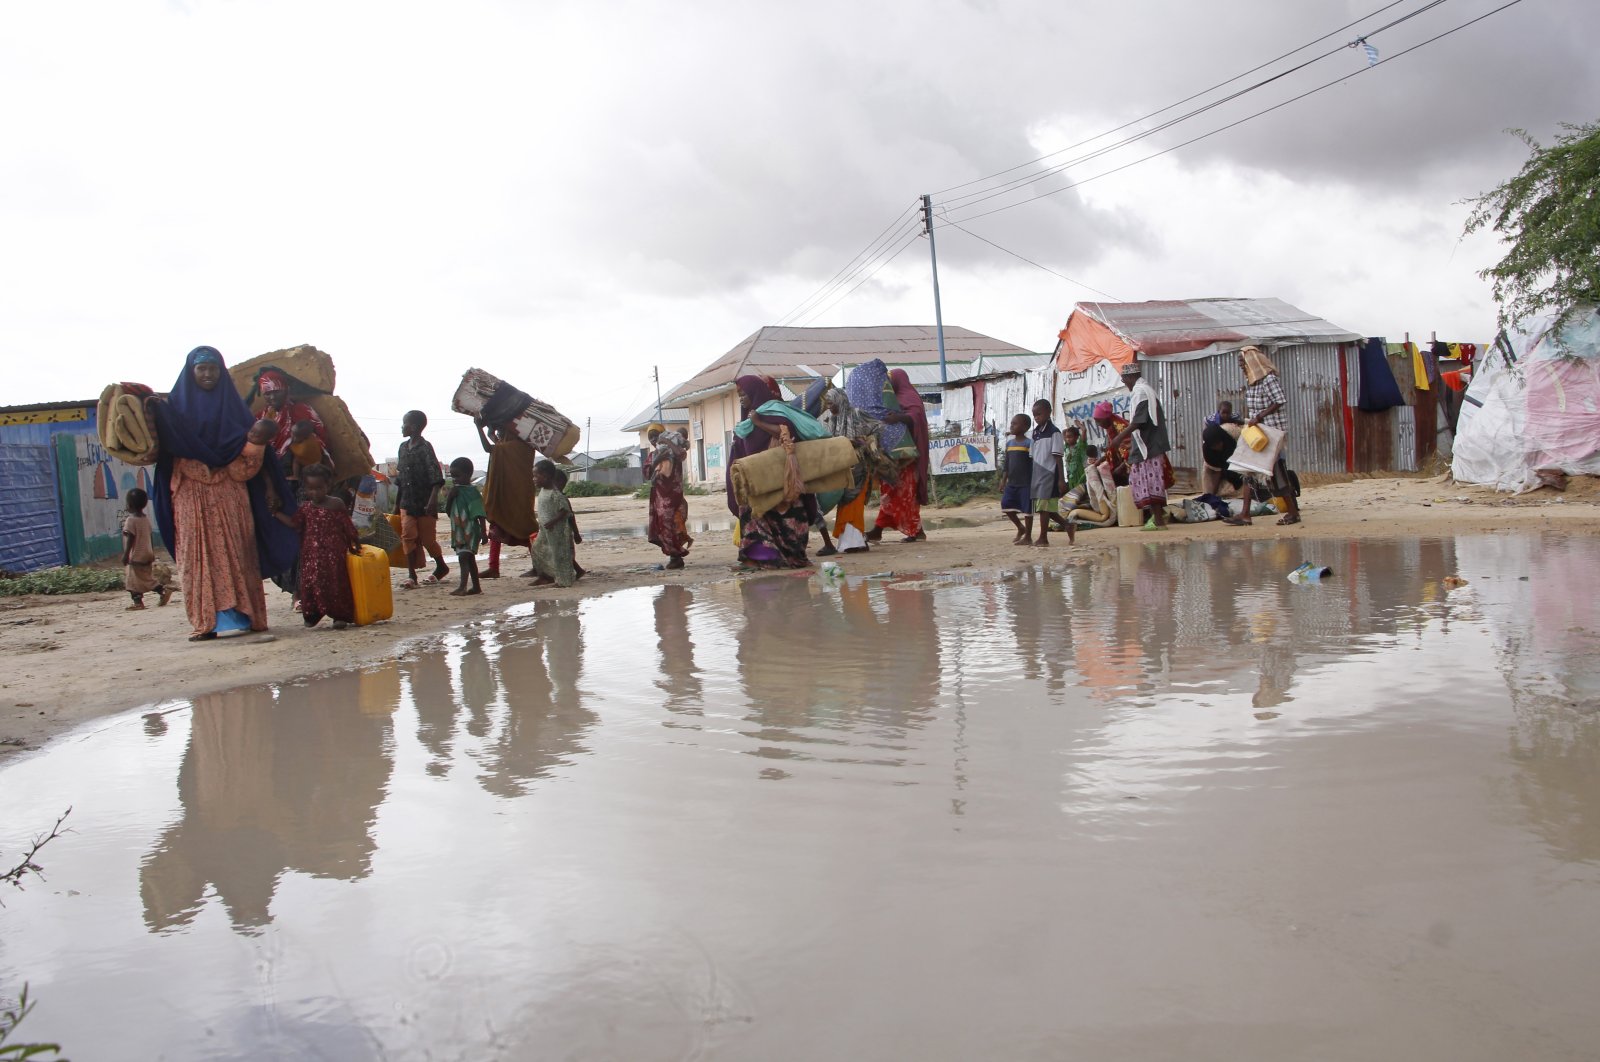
(950,492)
(583,488)
(643,492)
(10,1018)
(80,580)
(1549,214)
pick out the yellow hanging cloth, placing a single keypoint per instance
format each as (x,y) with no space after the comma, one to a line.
(1419,368)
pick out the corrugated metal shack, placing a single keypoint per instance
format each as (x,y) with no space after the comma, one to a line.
(1189,352)
(60,492)
(985,394)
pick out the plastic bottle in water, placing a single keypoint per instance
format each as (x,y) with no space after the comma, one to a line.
(1309,573)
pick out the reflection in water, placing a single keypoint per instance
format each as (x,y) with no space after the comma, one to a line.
(679,680)
(1544,622)
(545,715)
(1146,750)
(255,804)
(434,699)
(818,666)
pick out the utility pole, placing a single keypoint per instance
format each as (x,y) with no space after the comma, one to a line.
(588,429)
(933,254)
(660,418)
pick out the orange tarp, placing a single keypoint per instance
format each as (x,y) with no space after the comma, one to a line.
(1085,341)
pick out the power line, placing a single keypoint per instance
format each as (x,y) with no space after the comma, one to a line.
(909,240)
(1246,118)
(985,194)
(1036,265)
(1179,103)
(889,233)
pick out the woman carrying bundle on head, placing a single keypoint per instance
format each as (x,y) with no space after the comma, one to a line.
(668,527)
(508,492)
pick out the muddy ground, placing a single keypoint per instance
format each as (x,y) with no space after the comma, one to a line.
(72,659)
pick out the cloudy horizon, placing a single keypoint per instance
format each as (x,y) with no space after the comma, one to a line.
(569,194)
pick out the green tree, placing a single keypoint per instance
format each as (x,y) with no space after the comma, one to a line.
(1549,214)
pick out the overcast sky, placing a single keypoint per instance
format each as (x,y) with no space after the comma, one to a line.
(566,194)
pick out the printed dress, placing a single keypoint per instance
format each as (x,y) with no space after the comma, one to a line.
(669,509)
(217,547)
(552,547)
(326,536)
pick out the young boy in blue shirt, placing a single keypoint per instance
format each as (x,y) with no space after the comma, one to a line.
(1014,498)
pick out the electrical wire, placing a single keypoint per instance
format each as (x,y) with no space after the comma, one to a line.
(1170,106)
(1036,265)
(869,252)
(863,262)
(1241,121)
(898,252)
(985,194)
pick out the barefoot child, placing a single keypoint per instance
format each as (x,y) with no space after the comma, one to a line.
(1014,498)
(419,500)
(1049,479)
(326,535)
(138,558)
(468,525)
(553,547)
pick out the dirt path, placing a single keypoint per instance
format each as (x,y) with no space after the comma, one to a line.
(72,659)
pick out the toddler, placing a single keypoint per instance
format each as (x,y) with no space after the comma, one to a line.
(138,557)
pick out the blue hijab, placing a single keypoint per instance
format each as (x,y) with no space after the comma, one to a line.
(864,388)
(210,427)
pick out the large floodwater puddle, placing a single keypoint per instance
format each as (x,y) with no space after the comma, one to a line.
(1158,804)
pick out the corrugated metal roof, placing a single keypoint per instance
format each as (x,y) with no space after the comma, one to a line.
(647,416)
(41,407)
(996,365)
(1199,327)
(801,353)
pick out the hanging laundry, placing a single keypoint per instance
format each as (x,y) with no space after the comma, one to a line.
(1419,367)
(1468,352)
(1437,352)
(1378,390)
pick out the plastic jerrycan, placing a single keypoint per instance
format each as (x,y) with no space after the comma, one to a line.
(369,584)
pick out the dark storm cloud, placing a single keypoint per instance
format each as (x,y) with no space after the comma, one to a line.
(752,141)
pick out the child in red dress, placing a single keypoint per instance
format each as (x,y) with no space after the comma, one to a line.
(326,535)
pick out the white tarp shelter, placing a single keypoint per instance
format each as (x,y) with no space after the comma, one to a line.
(1534,403)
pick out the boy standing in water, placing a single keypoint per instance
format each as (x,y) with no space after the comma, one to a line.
(1014,498)
(469,525)
(418,500)
(138,557)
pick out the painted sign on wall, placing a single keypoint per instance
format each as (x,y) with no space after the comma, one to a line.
(713,455)
(94,490)
(962,453)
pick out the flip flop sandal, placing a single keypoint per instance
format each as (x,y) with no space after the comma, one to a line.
(206,637)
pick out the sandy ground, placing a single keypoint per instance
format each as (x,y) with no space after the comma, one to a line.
(71,659)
